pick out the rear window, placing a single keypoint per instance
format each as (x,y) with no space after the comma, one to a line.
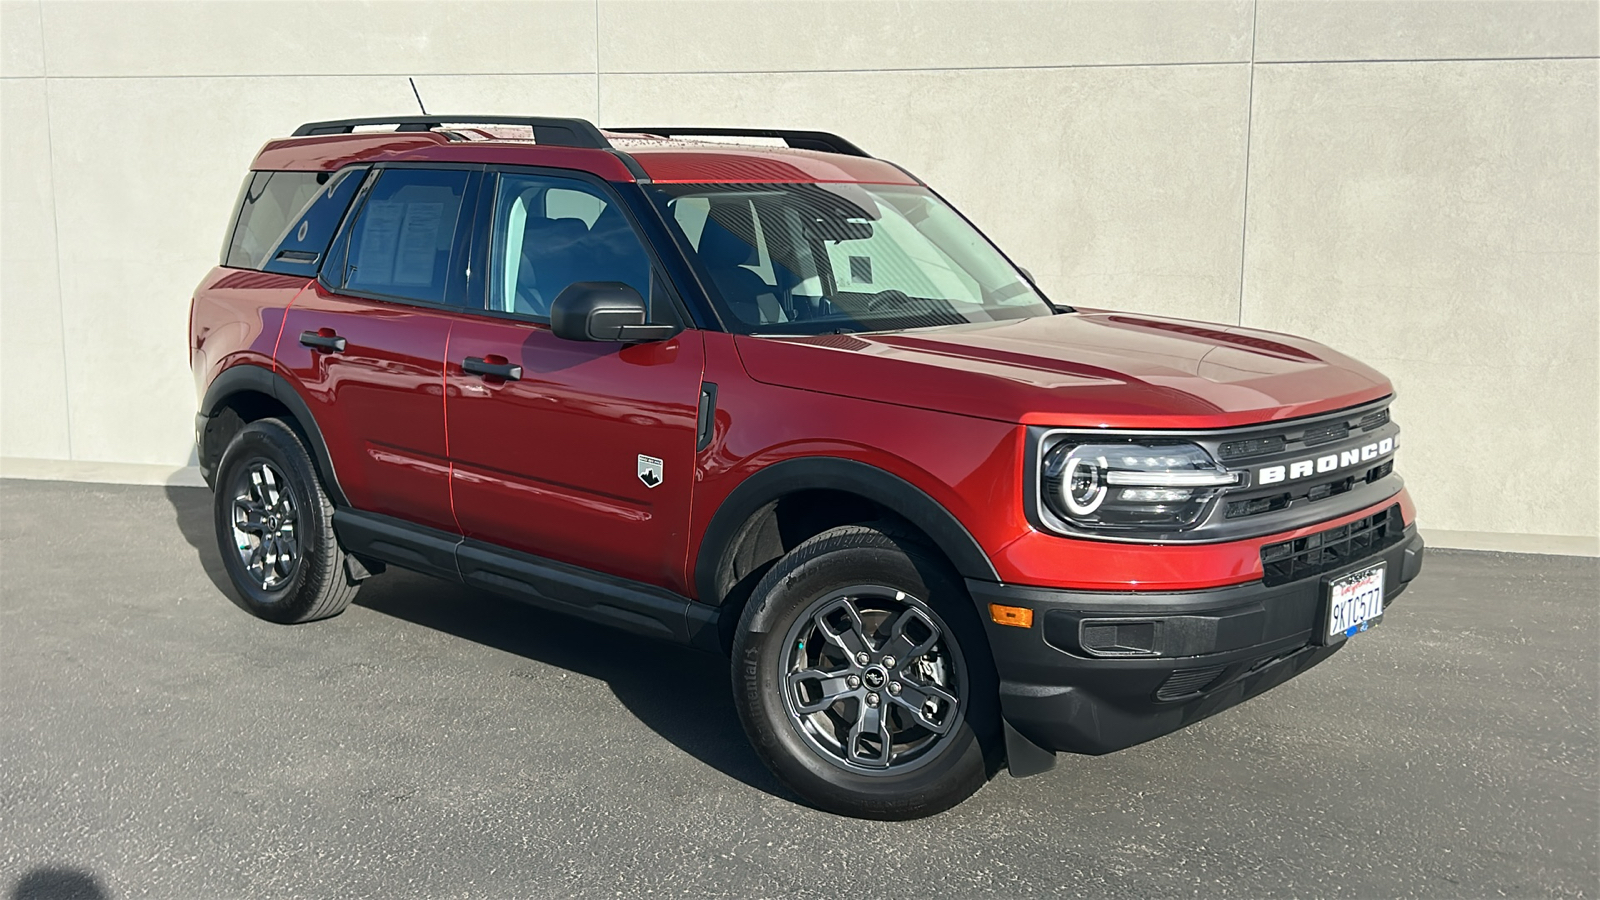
(404,235)
(270,201)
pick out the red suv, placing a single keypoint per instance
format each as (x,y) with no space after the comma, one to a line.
(778,399)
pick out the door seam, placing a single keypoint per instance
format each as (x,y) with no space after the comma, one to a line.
(284,322)
(444,415)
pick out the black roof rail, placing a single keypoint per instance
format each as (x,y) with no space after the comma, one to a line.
(799,140)
(546,130)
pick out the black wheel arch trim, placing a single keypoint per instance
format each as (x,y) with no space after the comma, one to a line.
(250,377)
(836,474)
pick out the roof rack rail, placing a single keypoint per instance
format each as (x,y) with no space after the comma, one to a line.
(557,132)
(799,140)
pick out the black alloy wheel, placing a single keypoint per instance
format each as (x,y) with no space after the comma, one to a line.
(274,527)
(871,683)
(863,677)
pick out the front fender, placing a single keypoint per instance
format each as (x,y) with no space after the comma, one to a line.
(832,473)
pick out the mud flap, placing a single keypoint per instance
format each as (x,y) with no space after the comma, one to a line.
(1024,757)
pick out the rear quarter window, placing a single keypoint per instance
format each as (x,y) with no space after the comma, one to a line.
(269,203)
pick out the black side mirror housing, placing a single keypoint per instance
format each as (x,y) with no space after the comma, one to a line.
(605,311)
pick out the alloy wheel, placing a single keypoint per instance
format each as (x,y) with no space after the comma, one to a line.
(872,680)
(266,524)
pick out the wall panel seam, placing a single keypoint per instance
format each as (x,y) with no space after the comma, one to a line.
(1249,128)
(887,70)
(55,233)
(598,117)
(598,70)
(1420,59)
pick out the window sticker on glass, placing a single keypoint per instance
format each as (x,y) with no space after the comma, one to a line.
(381,232)
(419,239)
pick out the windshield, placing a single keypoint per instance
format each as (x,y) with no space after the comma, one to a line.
(824,258)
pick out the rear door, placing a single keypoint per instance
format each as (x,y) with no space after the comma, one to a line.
(586,456)
(365,343)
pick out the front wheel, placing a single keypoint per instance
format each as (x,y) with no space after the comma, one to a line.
(863,677)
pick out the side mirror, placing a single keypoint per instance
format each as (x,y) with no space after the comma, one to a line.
(604,311)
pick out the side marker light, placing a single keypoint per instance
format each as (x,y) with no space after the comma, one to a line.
(1015,616)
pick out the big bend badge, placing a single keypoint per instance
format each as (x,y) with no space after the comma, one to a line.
(649,471)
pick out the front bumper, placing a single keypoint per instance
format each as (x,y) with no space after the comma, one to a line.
(1184,656)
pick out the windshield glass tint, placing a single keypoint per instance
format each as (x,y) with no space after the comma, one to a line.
(821,258)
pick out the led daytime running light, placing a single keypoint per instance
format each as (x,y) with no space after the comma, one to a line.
(1093,502)
(1171,479)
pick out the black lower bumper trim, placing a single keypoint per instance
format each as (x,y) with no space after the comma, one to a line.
(1102,671)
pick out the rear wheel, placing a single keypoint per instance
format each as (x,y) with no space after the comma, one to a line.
(275,528)
(863,677)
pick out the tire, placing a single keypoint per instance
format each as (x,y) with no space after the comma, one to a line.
(819,735)
(274,527)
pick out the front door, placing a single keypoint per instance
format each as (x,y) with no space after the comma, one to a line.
(367,356)
(574,451)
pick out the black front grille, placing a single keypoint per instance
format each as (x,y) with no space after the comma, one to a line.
(1252,447)
(1256,507)
(1187,682)
(1322,434)
(1325,551)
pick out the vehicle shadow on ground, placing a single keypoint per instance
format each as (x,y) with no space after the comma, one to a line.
(58,883)
(684,695)
(191,506)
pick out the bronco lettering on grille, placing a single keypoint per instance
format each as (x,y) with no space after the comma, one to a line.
(1321,465)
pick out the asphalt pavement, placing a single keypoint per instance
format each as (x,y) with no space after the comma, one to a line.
(436,742)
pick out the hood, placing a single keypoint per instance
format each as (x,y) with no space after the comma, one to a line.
(1085,369)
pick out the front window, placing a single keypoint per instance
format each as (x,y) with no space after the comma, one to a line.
(552,232)
(823,258)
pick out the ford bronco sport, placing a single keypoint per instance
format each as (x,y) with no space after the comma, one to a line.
(778,399)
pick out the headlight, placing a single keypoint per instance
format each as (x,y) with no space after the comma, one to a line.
(1143,485)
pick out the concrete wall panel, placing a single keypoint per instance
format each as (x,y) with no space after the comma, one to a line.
(294,37)
(1439,221)
(805,35)
(21,44)
(509,95)
(1425,29)
(144,221)
(1436,218)
(1115,187)
(33,407)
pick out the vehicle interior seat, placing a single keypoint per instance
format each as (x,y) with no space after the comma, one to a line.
(725,256)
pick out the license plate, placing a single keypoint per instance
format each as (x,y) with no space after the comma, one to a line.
(1355,603)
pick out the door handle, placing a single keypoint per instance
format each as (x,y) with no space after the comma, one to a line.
(329,342)
(477,365)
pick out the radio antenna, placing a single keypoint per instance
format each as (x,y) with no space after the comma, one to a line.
(414,93)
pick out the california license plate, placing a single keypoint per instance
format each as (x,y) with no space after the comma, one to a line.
(1355,603)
